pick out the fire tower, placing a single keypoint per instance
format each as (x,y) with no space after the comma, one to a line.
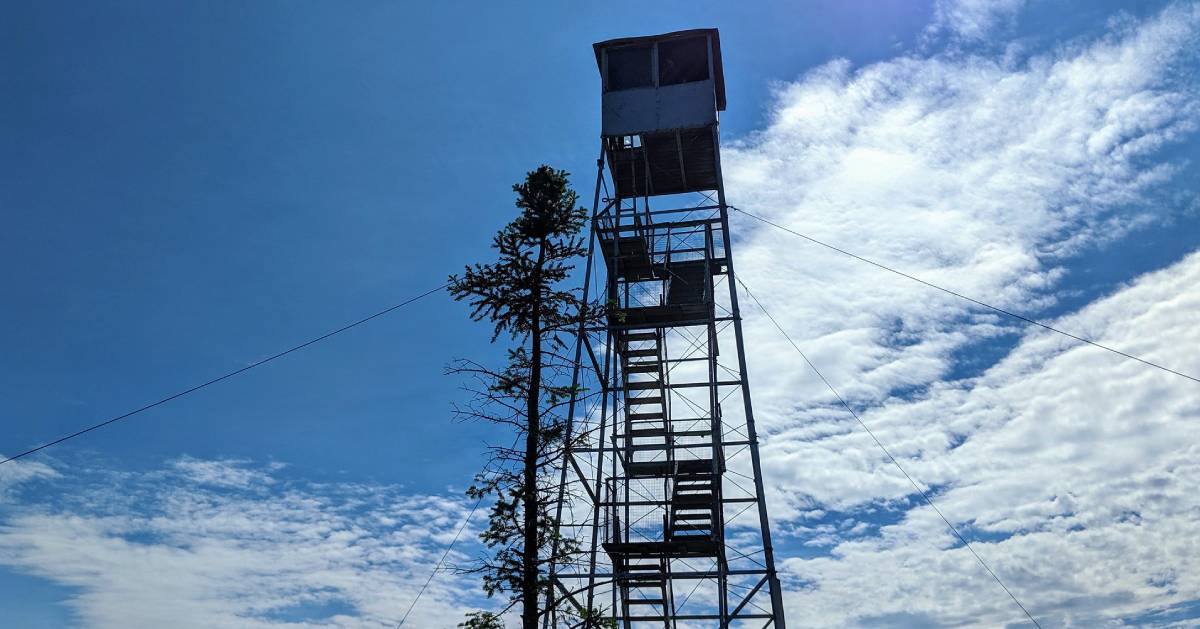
(663,484)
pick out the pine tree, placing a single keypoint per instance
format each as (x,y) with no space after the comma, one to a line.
(522,295)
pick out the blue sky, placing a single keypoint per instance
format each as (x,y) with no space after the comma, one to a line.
(190,187)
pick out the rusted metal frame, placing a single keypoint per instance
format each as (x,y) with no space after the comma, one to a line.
(696,344)
(693,250)
(582,477)
(599,474)
(676,324)
(718,383)
(749,556)
(689,617)
(596,365)
(570,594)
(603,213)
(748,596)
(617,532)
(718,512)
(685,446)
(689,385)
(751,433)
(673,575)
(580,341)
(693,222)
(685,210)
(669,439)
(676,361)
(567,595)
(651,502)
(726,444)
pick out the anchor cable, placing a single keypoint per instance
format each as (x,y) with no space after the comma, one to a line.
(970,299)
(438,565)
(922,492)
(226,376)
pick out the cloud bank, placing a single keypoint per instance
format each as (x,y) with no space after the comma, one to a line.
(228,544)
(1067,466)
(1072,471)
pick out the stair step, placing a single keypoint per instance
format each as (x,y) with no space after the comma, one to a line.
(654,367)
(641,353)
(644,601)
(644,566)
(643,469)
(642,417)
(648,432)
(692,433)
(640,336)
(707,515)
(646,425)
(691,527)
(640,401)
(654,579)
(696,466)
(692,477)
(685,538)
(690,499)
(643,386)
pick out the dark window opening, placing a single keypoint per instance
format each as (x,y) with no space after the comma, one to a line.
(682,60)
(629,67)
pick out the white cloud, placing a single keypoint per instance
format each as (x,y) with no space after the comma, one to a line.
(222,473)
(242,549)
(1073,469)
(1086,460)
(16,473)
(989,176)
(966,173)
(974,19)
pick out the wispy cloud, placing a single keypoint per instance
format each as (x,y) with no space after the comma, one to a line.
(991,176)
(1062,463)
(1071,470)
(973,20)
(227,544)
(16,473)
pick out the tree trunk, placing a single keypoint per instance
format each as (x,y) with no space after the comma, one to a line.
(529,560)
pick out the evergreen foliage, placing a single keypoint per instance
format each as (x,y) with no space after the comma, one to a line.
(524,295)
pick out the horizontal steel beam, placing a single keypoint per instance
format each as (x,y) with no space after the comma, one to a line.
(667,501)
(638,448)
(676,575)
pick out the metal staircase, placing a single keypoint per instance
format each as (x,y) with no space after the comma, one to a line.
(649,485)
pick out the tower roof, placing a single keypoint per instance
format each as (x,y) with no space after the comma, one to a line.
(718,74)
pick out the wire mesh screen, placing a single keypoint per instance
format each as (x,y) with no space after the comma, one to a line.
(638,510)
